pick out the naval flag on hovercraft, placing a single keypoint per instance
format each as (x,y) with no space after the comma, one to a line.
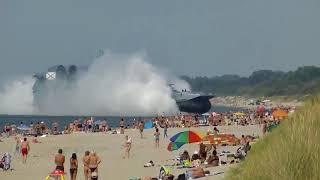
(51,75)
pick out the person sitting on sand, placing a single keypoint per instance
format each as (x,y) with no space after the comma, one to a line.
(213,160)
(196,160)
(185,156)
(59,160)
(73,166)
(94,162)
(127,145)
(35,140)
(197,173)
(86,169)
(25,148)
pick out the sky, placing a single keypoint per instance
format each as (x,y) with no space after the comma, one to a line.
(187,37)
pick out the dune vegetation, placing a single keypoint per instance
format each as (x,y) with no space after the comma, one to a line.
(291,151)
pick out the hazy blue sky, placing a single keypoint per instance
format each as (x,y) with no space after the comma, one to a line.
(199,37)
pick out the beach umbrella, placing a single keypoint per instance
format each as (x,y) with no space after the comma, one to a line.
(148,125)
(186,137)
(174,146)
(221,138)
(279,113)
(23,127)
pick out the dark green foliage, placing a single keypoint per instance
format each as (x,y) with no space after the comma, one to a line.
(305,80)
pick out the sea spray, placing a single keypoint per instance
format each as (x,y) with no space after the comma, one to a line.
(114,84)
(16,97)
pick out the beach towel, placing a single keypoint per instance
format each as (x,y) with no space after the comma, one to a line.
(6,161)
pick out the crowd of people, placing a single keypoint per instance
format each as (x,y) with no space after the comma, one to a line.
(207,156)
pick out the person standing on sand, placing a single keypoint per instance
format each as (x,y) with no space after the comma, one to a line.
(127,145)
(85,161)
(122,126)
(157,138)
(141,129)
(165,130)
(94,162)
(25,148)
(73,166)
(18,145)
(59,160)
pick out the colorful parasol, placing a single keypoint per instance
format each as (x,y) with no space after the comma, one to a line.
(174,146)
(186,137)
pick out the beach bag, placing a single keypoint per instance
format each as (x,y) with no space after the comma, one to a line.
(94,176)
(164,171)
(6,161)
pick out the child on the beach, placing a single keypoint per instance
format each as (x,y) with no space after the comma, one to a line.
(127,145)
(157,138)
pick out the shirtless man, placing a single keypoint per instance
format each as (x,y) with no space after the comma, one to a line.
(59,160)
(94,161)
(25,148)
(85,161)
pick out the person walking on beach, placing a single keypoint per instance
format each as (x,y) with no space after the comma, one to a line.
(94,162)
(85,161)
(165,130)
(25,148)
(59,160)
(141,126)
(122,126)
(18,145)
(73,166)
(127,145)
(157,138)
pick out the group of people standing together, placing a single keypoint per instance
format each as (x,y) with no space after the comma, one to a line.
(90,162)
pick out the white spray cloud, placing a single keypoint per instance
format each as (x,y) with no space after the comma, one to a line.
(16,97)
(115,84)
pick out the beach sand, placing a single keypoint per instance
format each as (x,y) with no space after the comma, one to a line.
(109,148)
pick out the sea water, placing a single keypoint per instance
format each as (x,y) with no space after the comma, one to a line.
(113,121)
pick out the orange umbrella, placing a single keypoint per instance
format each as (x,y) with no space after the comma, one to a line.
(221,139)
(279,113)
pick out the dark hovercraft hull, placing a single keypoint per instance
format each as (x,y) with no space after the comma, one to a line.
(198,105)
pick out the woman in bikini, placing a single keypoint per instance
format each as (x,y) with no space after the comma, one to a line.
(73,166)
(85,161)
(94,161)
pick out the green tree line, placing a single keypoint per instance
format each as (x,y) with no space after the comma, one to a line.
(304,80)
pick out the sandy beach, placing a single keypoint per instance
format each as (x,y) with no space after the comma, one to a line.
(109,147)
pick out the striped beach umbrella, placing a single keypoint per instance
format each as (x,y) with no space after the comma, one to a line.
(186,137)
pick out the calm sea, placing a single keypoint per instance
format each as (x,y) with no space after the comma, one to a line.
(65,120)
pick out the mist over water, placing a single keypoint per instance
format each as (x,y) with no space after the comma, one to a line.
(115,84)
(16,97)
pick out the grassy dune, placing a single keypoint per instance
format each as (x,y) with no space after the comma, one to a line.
(290,152)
